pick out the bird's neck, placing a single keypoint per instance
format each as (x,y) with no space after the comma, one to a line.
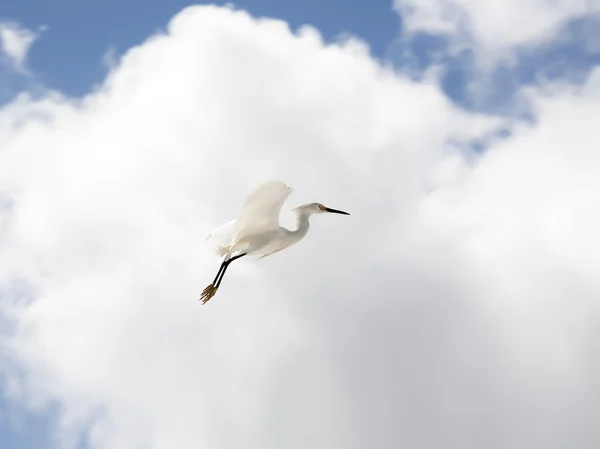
(302,225)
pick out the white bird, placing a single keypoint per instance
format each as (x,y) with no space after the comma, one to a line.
(256,231)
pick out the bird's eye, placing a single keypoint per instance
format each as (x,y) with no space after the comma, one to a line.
(321,207)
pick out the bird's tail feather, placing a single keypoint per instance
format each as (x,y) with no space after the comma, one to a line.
(222,250)
(221,238)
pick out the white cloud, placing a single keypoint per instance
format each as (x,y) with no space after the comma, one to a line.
(495,26)
(15,42)
(485,50)
(456,307)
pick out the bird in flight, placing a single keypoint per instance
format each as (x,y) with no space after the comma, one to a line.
(256,230)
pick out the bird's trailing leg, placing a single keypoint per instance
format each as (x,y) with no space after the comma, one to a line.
(210,291)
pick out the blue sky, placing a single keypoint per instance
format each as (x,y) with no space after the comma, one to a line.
(81,32)
(68,56)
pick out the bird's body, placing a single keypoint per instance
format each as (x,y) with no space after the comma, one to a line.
(269,241)
(256,231)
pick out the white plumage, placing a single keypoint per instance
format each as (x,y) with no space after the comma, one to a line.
(256,230)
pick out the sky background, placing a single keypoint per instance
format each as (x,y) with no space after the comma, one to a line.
(458,305)
(83,33)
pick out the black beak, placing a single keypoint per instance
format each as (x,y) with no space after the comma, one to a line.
(335,211)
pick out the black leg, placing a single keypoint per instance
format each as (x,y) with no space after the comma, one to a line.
(210,291)
(221,268)
(224,268)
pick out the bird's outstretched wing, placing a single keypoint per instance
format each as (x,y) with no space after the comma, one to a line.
(261,209)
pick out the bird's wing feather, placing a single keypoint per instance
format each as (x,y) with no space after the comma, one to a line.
(261,209)
(221,238)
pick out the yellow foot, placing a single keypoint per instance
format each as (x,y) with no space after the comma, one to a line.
(208,293)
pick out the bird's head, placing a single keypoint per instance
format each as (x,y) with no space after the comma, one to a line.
(318,208)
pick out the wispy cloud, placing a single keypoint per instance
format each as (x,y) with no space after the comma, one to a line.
(110,57)
(15,43)
(483,52)
(493,27)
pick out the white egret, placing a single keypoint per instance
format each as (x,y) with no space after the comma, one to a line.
(256,231)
